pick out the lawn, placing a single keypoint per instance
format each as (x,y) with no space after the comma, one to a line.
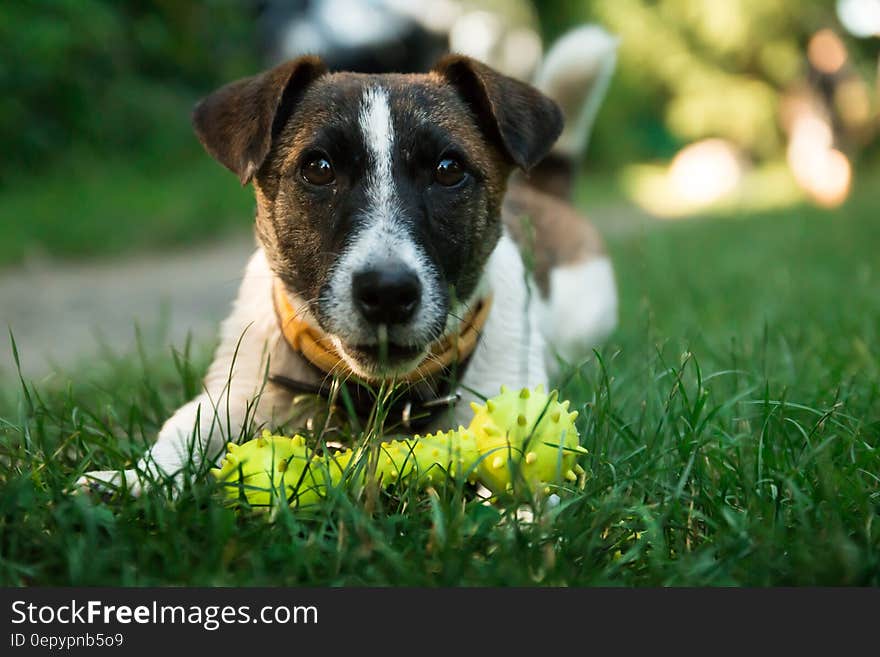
(118,206)
(733,425)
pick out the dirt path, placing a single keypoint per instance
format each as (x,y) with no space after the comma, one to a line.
(61,313)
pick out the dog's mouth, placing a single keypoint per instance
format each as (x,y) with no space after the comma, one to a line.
(385,359)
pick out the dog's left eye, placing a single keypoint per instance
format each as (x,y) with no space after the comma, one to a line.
(449,172)
(317,170)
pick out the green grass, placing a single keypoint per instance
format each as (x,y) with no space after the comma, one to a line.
(733,424)
(90,205)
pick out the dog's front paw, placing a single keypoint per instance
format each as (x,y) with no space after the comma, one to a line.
(106,482)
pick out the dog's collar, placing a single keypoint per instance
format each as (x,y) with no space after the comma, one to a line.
(317,348)
(427,392)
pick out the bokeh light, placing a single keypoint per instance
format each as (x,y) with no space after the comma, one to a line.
(852,101)
(476,34)
(826,52)
(861,18)
(821,170)
(704,172)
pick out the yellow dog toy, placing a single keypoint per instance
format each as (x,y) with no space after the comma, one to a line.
(518,436)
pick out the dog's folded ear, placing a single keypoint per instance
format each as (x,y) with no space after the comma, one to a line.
(236,123)
(520,119)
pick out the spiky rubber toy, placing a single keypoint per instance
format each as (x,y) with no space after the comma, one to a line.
(269,468)
(525,435)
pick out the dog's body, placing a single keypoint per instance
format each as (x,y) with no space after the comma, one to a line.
(384,215)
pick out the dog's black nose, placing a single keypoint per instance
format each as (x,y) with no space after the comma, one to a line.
(388,294)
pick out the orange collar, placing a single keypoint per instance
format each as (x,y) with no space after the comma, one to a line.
(317,348)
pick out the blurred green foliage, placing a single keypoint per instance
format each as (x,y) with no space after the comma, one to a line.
(105,75)
(690,69)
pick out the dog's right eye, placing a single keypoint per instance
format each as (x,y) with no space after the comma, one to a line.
(317,170)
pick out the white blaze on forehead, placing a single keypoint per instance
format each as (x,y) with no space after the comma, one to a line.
(375,123)
(382,236)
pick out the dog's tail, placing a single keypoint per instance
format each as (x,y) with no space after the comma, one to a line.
(575,73)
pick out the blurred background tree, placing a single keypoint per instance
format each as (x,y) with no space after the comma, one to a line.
(691,69)
(108,75)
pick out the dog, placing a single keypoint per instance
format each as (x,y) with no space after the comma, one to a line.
(408,226)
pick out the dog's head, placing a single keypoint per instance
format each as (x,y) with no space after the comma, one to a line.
(378,196)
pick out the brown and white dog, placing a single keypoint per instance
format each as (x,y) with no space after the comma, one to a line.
(386,225)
